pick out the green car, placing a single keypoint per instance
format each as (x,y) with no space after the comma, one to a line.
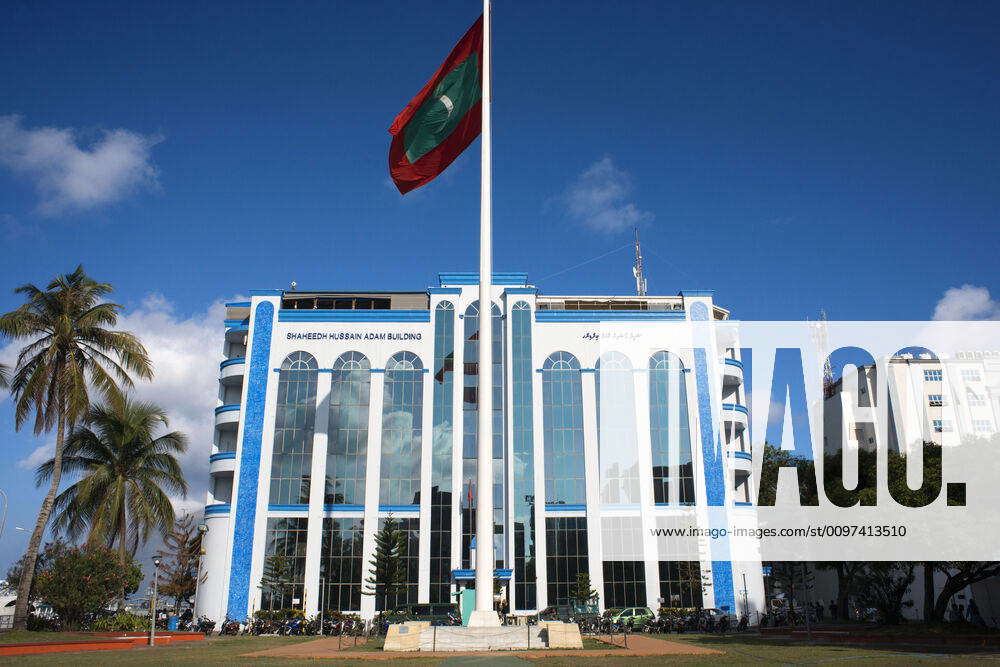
(634,617)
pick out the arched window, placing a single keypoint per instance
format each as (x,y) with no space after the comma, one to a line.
(294,424)
(562,405)
(470,429)
(347,449)
(617,440)
(402,409)
(669,429)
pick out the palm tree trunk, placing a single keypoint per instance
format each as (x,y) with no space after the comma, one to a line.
(28,572)
(928,591)
(121,549)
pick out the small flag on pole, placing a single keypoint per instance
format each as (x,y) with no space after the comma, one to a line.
(443,119)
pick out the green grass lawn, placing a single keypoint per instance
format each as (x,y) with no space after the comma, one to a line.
(739,649)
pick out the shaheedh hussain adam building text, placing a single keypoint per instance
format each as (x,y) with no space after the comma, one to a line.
(338,409)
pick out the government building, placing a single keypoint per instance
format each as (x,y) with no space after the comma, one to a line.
(339,409)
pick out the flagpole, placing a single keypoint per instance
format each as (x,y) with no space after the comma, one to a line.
(485,563)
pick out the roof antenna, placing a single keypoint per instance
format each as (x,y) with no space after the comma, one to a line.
(640,281)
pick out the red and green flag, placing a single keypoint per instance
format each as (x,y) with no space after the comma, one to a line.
(443,119)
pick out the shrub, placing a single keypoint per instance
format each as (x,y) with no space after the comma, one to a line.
(80,582)
(121,622)
(278,614)
(677,612)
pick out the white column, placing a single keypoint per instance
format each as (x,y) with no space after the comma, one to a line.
(317,491)
(373,476)
(592,476)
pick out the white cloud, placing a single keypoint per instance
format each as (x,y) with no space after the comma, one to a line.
(185,352)
(38,456)
(600,199)
(967,302)
(69,176)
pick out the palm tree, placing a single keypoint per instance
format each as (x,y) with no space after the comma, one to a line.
(126,473)
(3,375)
(70,347)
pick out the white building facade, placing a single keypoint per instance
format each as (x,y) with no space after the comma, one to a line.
(340,409)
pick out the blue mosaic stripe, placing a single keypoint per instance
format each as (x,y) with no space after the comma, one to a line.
(722,584)
(711,456)
(253,430)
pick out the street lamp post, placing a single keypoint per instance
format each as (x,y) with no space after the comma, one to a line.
(152,603)
(202,529)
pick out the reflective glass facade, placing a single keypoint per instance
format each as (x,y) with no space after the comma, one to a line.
(523,502)
(680,583)
(670,469)
(294,425)
(402,419)
(286,539)
(566,546)
(470,429)
(386,401)
(342,564)
(624,583)
(616,429)
(442,453)
(347,451)
(562,405)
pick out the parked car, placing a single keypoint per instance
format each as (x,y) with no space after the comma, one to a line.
(437,614)
(634,617)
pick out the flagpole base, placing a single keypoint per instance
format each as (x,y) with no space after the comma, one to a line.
(484,619)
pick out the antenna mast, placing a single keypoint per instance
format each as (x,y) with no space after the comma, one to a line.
(640,281)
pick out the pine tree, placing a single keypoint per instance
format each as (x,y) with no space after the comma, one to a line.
(180,561)
(581,593)
(278,576)
(387,570)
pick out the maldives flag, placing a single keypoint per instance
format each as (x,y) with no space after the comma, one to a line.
(443,119)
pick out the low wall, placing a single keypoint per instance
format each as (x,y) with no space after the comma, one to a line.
(98,641)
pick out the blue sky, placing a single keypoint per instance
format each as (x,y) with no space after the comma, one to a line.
(837,155)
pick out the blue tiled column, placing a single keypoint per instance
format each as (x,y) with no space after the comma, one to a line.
(253,427)
(711,458)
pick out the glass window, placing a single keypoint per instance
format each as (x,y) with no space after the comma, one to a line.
(525,579)
(410,528)
(971,375)
(669,429)
(982,426)
(624,583)
(562,403)
(617,440)
(566,546)
(286,538)
(932,375)
(441,455)
(341,564)
(402,410)
(470,428)
(680,583)
(347,452)
(294,424)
